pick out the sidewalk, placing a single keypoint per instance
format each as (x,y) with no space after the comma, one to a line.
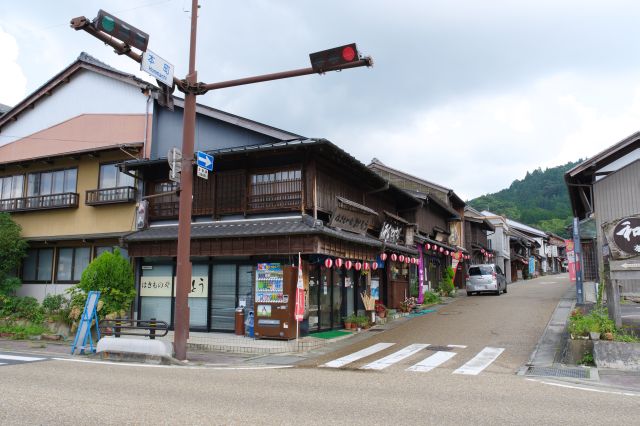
(226,349)
(546,359)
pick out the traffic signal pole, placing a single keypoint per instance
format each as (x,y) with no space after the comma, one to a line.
(325,61)
(183,272)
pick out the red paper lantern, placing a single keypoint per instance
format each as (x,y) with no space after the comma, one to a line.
(348,264)
(413,260)
(357,266)
(383,256)
(401,258)
(365,266)
(441,249)
(446,252)
(394,257)
(427,246)
(374,265)
(482,251)
(407,260)
(338,263)
(328,263)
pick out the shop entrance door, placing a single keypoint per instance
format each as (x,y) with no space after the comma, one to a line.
(223,297)
(314,298)
(325,299)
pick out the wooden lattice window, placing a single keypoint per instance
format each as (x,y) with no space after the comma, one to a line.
(231,189)
(276,190)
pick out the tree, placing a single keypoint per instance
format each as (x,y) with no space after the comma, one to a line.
(112,275)
(13,249)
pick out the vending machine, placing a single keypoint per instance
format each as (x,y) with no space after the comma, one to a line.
(275,298)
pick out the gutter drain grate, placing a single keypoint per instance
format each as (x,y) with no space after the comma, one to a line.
(577,373)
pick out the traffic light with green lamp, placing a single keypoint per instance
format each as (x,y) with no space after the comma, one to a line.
(117,28)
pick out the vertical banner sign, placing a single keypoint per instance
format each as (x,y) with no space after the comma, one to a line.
(571,260)
(420,278)
(454,264)
(299,309)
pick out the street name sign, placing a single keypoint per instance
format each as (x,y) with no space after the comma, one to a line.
(204,160)
(157,67)
(174,158)
(202,172)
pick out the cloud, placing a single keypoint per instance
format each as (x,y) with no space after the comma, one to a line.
(481,144)
(13,83)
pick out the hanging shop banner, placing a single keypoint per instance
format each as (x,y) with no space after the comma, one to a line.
(532,266)
(390,232)
(571,259)
(375,288)
(269,283)
(420,277)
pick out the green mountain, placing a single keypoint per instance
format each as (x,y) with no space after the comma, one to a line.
(540,200)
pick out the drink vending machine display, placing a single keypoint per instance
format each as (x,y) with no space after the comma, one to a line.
(275,301)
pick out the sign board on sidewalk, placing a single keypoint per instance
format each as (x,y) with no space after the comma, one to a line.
(204,160)
(157,67)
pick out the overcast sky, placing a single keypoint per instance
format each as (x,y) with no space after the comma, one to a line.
(468,94)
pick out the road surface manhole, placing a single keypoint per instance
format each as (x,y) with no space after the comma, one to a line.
(576,373)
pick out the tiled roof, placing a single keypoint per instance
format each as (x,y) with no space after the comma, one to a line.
(297,225)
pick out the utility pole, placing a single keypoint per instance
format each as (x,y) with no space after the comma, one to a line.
(122,37)
(577,249)
(183,271)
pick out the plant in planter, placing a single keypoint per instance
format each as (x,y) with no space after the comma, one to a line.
(349,321)
(381,310)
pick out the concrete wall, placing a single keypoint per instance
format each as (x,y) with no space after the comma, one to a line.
(87,92)
(210,133)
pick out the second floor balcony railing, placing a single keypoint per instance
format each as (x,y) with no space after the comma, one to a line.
(40,202)
(122,194)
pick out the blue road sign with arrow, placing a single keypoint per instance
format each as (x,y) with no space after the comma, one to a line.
(204,160)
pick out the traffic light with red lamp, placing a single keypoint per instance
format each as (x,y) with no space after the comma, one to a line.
(336,57)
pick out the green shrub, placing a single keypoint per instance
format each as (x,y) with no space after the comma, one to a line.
(446,287)
(53,303)
(431,298)
(26,308)
(12,249)
(597,321)
(23,331)
(112,275)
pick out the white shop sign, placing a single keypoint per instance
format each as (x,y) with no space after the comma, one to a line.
(161,286)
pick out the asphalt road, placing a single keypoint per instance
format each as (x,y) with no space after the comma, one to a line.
(63,392)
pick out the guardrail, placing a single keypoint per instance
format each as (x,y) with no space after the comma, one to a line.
(114,327)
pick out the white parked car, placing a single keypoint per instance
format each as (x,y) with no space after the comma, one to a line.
(486,278)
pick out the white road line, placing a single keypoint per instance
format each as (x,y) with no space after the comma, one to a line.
(189,367)
(20,358)
(479,362)
(3,363)
(336,363)
(395,357)
(583,388)
(432,362)
(457,346)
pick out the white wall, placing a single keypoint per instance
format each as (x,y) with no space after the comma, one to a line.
(86,93)
(39,291)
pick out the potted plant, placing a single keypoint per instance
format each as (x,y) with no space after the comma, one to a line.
(348,322)
(381,310)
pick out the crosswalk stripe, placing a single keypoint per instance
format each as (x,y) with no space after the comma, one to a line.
(457,346)
(336,363)
(20,358)
(482,360)
(435,360)
(395,357)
